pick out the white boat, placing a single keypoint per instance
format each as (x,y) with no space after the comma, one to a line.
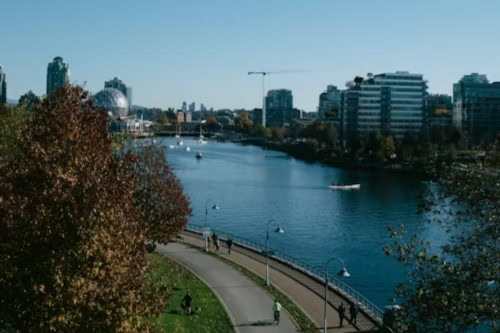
(177,136)
(200,139)
(180,142)
(188,148)
(199,154)
(345,186)
(171,147)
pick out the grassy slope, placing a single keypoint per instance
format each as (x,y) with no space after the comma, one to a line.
(213,317)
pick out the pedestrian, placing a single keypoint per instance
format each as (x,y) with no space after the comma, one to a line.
(276,311)
(217,244)
(353,310)
(214,238)
(229,243)
(186,303)
(341,311)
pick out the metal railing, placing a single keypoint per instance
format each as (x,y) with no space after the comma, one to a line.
(314,272)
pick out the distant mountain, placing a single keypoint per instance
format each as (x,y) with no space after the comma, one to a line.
(12,101)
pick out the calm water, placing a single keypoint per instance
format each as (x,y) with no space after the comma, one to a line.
(252,185)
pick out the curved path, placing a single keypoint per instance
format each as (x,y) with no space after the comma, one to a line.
(249,305)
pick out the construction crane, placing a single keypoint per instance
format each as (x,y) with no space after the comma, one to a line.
(263,94)
(263,73)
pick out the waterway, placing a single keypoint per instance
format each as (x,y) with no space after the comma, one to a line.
(252,185)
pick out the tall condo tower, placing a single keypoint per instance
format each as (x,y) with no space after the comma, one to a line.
(57,74)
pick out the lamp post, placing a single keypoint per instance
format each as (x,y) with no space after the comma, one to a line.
(214,207)
(278,230)
(343,272)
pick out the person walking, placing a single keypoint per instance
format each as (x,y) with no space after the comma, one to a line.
(341,311)
(217,244)
(229,243)
(276,311)
(214,238)
(186,303)
(353,310)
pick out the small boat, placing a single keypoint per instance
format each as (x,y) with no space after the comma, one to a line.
(199,155)
(200,139)
(188,148)
(171,147)
(345,186)
(180,142)
(177,136)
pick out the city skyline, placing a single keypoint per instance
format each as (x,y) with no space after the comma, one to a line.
(203,51)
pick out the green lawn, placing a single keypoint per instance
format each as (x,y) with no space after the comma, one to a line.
(213,317)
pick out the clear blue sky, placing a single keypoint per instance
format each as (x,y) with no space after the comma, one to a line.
(174,51)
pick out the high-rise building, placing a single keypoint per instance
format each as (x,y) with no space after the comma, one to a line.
(57,74)
(184,106)
(192,107)
(3,87)
(389,103)
(476,107)
(279,99)
(119,85)
(329,101)
(202,107)
(279,108)
(439,111)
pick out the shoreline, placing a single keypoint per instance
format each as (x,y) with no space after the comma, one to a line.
(294,151)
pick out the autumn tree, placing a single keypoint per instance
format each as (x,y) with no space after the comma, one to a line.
(389,146)
(456,287)
(242,123)
(212,124)
(258,130)
(72,225)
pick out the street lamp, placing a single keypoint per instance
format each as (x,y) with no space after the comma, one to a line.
(343,272)
(214,207)
(278,230)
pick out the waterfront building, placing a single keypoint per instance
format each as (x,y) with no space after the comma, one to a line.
(279,108)
(3,87)
(189,117)
(57,74)
(116,104)
(118,84)
(329,102)
(439,111)
(114,101)
(476,108)
(180,117)
(389,103)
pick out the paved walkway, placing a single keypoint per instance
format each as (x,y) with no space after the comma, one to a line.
(249,305)
(304,291)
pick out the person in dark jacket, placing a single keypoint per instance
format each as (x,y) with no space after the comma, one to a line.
(353,310)
(341,311)
(186,303)
(229,243)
